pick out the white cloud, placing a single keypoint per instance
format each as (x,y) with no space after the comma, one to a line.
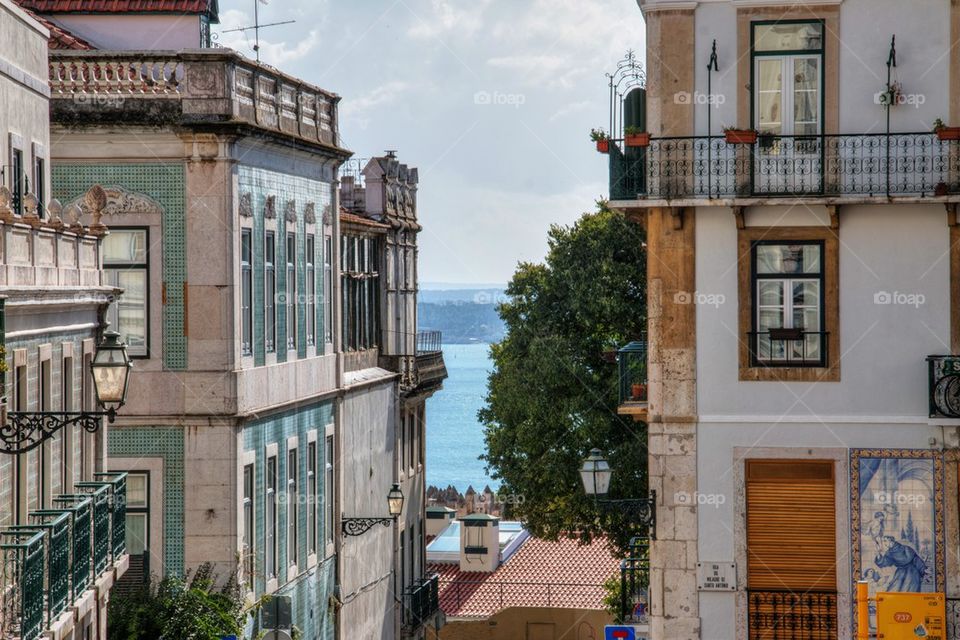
(449,17)
(274,53)
(570,109)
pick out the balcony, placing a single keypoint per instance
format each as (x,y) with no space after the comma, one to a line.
(431,369)
(782,614)
(634,581)
(632,367)
(208,87)
(421,602)
(51,563)
(833,168)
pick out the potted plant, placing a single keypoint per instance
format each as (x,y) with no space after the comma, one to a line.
(941,189)
(636,137)
(944,132)
(739,136)
(600,137)
(638,392)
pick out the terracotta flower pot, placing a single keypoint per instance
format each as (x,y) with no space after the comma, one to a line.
(740,136)
(638,140)
(948,133)
(603,146)
(638,392)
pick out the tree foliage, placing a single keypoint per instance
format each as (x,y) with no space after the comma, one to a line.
(553,394)
(178,609)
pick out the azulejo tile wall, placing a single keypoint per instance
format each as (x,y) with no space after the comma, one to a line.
(262,184)
(164,183)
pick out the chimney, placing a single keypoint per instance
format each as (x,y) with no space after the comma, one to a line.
(479,543)
(346,192)
(438,518)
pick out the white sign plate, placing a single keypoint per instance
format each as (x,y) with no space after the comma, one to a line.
(716,576)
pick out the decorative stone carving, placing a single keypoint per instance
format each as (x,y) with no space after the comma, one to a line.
(246,205)
(95,201)
(310,214)
(328,214)
(55,211)
(290,211)
(72,212)
(6,205)
(30,206)
(270,209)
(119,201)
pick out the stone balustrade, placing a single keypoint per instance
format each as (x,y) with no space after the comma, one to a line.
(216,86)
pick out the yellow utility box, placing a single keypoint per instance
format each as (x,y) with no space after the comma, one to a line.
(909,616)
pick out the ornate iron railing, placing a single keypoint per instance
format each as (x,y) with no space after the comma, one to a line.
(632,363)
(420,602)
(896,164)
(429,342)
(99,493)
(635,580)
(774,614)
(118,511)
(56,525)
(80,509)
(22,554)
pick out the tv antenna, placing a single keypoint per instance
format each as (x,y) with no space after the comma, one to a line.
(256,26)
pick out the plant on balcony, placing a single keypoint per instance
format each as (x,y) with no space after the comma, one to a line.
(600,137)
(944,132)
(636,137)
(739,136)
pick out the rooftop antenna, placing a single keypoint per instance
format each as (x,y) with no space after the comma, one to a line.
(257,26)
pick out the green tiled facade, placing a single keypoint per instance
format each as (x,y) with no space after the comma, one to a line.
(164,183)
(261,184)
(165,443)
(310,592)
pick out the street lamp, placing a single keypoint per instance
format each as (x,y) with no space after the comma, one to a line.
(22,431)
(596,473)
(359,526)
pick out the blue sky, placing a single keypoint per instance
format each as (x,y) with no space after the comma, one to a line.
(493,100)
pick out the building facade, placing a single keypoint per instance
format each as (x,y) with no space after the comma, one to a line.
(61,534)
(800,216)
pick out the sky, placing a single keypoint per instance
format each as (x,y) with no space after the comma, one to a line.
(493,101)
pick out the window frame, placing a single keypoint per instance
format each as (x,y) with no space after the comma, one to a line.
(270,287)
(115,267)
(327,290)
(311,290)
(329,487)
(271,533)
(293,510)
(246,291)
(249,530)
(290,255)
(144,511)
(313,541)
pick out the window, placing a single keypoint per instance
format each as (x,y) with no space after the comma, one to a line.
(403,441)
(138,525)
(311,293)
(361,292)
(293,498)
(68,432)
(412,439)
(40,184)
(270,496)
(246,292)
(328,489)
(312,498)
(291,291)
(16,180)
(125,266)
(270,291)
(788,301)
(327,290)
(249,550)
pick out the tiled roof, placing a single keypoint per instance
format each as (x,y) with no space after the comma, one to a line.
(352,218)
(541,573)
(118,6)
(60,38)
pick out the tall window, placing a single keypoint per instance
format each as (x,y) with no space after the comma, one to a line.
(125,266)
(327,290)
(246,292)
(291,291)
(787,73)
(270,496)
(249,550)
(138,525)
(67,433)
(270,291)
(328,489)
(311,293)
(40,184)
(788,313)
(311,498)
(293,500)
(16,180)
(361,292)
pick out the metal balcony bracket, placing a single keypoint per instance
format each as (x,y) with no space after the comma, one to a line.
(834,211)
(359,526)
(642,512)
(738,216)
(22,432)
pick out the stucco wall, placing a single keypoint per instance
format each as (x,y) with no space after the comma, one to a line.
(135,31)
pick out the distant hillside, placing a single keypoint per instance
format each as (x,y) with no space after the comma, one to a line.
(463,315)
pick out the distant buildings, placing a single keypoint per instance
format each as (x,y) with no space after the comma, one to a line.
(280,379)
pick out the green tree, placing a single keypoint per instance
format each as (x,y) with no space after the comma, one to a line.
(553,392)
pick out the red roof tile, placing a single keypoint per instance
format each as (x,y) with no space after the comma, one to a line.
(559,574)
(60,38)
(352,218)
(118,6)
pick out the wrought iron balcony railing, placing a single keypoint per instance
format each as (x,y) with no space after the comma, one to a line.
(886,165)
(635,580)
(632,363)
(429,342)
(118,511)
(99,493)
(780,614)
(80,509)
(421,602)
(22,554)
(56,526)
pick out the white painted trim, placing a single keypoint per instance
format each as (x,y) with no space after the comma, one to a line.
(273,449)
(70,328)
